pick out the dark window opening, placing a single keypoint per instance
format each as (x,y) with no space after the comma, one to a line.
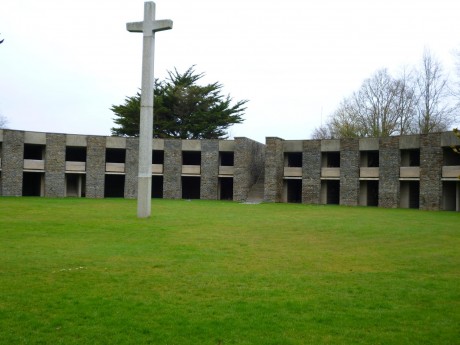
(191,158)
(32,151)
(293,159)
(294,191)
(115,155)
(75,185)
(114,186)
(75,154)
(190,187)
(227,159)
(157,186)
(332,159)
(414,194)
(370,159)
(410,158)
(158,157)
(226,188)
(450,157)
(32,184)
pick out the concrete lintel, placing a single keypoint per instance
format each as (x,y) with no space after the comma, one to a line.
(409,142)
(115,143)
(293,145)
(191,145)
(158,144)
(330,145)
(37,138)
(76,140)
(369,144)
(227,145)
(449,139)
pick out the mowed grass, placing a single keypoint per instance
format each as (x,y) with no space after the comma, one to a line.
(85,271)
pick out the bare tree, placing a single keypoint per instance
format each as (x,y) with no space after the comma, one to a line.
(383,106)
(435,110)
(3,121)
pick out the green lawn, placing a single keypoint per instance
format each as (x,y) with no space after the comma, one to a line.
(85,271)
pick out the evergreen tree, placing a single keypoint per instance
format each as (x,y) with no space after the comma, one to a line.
(182,109)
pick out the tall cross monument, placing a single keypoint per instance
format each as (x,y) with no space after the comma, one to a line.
(148,27)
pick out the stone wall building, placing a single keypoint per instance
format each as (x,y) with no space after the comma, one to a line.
(419,171)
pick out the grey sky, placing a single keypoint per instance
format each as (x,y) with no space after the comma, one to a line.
(64,63)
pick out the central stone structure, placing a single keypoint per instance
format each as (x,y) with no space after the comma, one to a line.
(148,27)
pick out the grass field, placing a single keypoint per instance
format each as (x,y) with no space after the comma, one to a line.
(85,271)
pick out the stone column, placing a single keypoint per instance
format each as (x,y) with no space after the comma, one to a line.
(389,164)
(248,166)
(274,169)
(311,172)
(172,169)
(209,169)
(431,161)
(95,167)
(131,167)
(55,165)
(349,172)
(12,162)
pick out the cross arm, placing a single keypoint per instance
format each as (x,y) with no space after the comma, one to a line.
(157,25)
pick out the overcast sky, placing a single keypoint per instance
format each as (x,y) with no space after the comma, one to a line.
(64,63)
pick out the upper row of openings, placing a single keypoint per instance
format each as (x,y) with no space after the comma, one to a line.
(369,159)
(32,151)
(330,159)
(293,159)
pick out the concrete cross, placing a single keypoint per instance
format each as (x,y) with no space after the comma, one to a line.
(148,27)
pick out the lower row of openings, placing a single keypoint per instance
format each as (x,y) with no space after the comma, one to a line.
(293,190)
(114,186)
(369,193)
(410,194)
(330,192)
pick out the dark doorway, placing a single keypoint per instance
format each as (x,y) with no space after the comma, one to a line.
(226,188)
(294,191)
(372,193)
(190,187)
(333,192)
(32,184)
(157,187)
(114,186)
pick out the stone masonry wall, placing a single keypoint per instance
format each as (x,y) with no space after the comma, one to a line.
(248,166)
(131,167)
(172,181)
(349,172)
(274,169)
(209,169)
(389,163)
(12,162)
(431,161)
(55,165)
(95,167)
(311,172)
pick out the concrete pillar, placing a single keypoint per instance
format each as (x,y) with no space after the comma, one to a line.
(55,165)
(274,169)
(311,172)
(131,167)
(389,163)
(95,167)
(431,161)
(172,169)
(209,169)
(12,162)
(349,172)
